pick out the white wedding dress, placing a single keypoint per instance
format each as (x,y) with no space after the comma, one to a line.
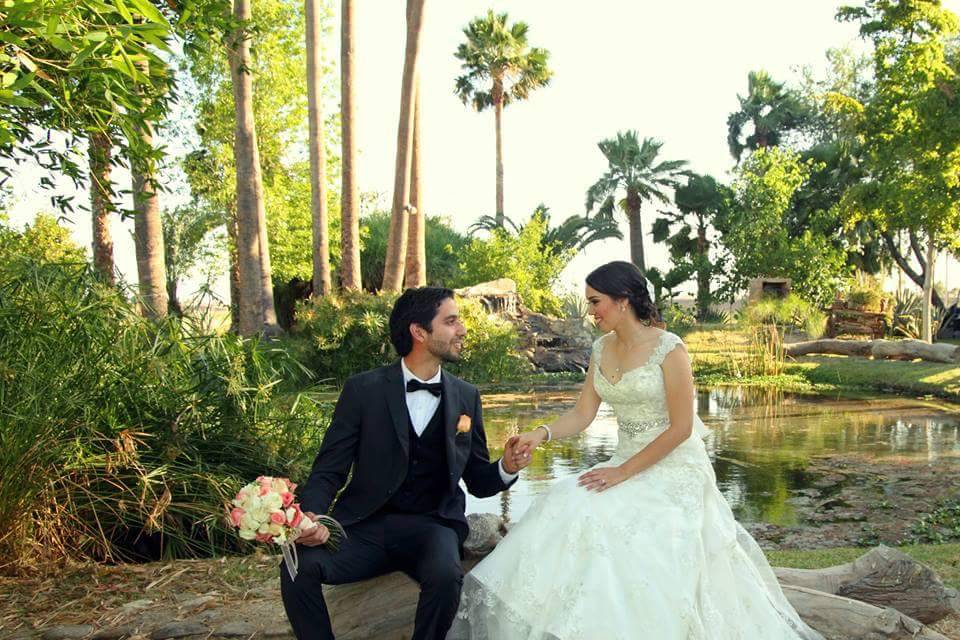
(658,556)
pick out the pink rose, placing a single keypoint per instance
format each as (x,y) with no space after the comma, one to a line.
(235,516)
(297,517)
(277,517)
(264,537)
(291,487)
(287,499)
(264,489)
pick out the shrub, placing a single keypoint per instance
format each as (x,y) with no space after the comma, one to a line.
(522,258)
(121,438)
(444,248)
(339,336)
(791,312)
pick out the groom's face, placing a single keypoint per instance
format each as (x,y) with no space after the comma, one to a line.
(445,339)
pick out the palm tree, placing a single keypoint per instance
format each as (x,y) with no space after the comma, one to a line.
(148,232)
(318,180)
(349,197)
(397,237)
(253,256)
(500,68)
(416,267)
(101,203)
(634,170)
(772,110)
(574,234)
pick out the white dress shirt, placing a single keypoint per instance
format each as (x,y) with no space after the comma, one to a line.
(422,405)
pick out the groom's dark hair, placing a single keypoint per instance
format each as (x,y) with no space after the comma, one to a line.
(415,306)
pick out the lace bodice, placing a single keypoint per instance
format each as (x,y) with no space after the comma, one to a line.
(638,398)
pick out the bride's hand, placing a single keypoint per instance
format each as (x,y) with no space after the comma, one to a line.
(602,478)
(527,442)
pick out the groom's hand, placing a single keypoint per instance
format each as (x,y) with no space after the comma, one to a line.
(316,536)
(513,458)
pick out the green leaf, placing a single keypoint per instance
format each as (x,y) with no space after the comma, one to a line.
(149,12)
(123,10)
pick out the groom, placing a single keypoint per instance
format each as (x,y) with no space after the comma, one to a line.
(409,432)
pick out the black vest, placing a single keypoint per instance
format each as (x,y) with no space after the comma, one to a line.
(426,481)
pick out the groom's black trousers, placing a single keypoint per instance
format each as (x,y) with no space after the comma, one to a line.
(420,545)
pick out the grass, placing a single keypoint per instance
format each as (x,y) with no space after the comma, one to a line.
(713,348)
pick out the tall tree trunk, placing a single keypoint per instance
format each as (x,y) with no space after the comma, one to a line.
(148,233)
(636,230)
(397,237)
(318,173)
(349,198)
(256,289)
(416,267)
(928,282)
(234,271)
(498,118)
(101,205)
(703,271)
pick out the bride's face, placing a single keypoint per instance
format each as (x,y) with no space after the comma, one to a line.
(607,312)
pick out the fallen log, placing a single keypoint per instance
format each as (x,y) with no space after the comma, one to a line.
(879,349)
(883,577)
(839,618)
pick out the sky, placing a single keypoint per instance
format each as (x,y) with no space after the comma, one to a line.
(670,70)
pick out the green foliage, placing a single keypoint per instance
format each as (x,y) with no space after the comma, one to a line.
(574,234)
(443,246)
(499,62)
(703,200)
(792,312)
(910,125)
(338,336)
(491,351)
(78,67)
(280,114)
(678,319)
(192,238)
(940,526)
(43,241)
(121,438)
(521,257)
(757,237)
(773,110)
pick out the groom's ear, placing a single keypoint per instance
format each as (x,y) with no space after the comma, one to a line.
(418,333)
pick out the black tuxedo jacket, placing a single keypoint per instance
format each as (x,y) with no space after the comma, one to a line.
(368,440)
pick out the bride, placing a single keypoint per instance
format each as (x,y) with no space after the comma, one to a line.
(643,545)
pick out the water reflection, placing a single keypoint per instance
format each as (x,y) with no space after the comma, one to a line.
(760,442)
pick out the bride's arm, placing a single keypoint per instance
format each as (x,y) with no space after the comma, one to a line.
(678,387)
(570,423)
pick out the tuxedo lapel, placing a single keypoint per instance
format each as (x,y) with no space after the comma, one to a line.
(451,415)
(397,403)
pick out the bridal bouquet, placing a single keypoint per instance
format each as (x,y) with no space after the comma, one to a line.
(264,511)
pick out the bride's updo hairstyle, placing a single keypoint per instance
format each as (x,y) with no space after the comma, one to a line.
(624,281)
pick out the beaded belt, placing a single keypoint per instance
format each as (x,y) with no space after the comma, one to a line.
(637,427)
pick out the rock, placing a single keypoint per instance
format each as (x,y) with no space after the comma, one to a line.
(497,296)
(68,632)
(235,630)
(485,534)
(195,603)
(115,633)
(135,605)
(179,629)
(272,633)
(557,344)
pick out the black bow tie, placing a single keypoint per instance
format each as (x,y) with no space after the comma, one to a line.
(436,388)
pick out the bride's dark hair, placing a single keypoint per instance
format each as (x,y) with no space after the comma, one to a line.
(624,281)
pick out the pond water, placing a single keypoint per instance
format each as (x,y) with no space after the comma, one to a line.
(760,442)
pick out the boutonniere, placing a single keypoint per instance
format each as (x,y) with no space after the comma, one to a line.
(463,424)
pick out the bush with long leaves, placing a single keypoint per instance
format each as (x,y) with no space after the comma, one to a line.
(121,438)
